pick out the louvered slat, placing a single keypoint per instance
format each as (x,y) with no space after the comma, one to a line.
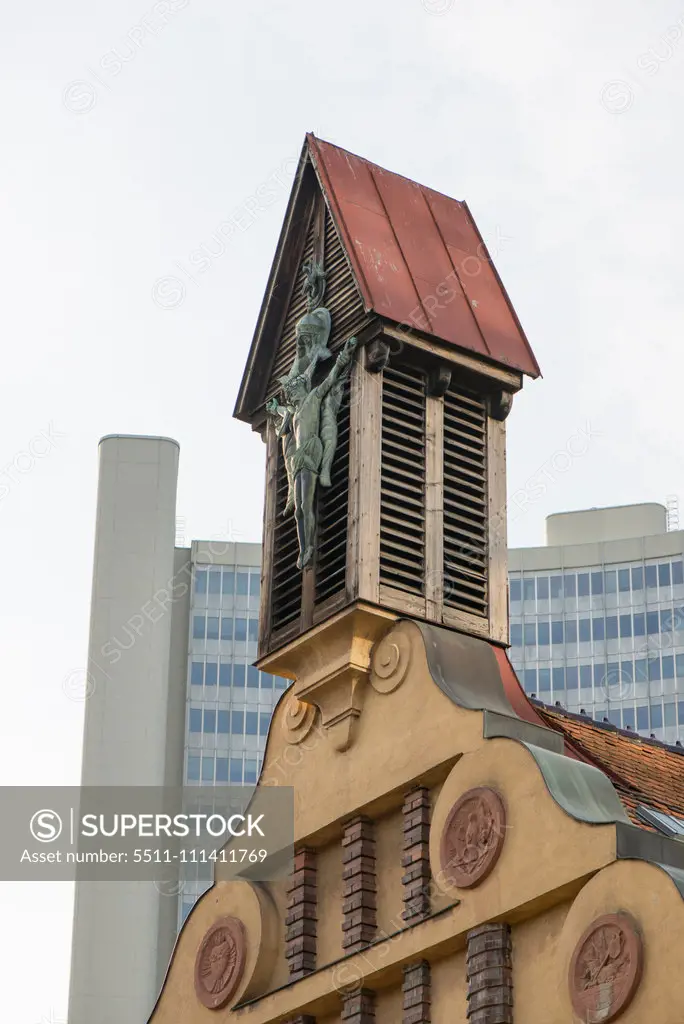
(286,590)
(465,501)
(402,497)
(287,349)
(341,298)
(341,294)
(347,314)
(333,508)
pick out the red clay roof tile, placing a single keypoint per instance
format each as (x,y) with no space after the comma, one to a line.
(643,771)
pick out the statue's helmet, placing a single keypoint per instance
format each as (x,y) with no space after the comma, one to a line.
(313,331)
(315,326)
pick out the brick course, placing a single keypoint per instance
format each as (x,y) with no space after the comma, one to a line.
(300,921)
(416,856)
(359,886)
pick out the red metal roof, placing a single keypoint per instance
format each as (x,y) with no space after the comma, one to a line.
(419,259)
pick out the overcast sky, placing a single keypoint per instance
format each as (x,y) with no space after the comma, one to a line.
(129,135)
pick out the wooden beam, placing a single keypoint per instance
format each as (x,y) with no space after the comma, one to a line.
(511,379)
(434,507)
(363,559)
(268,535)
(497,547)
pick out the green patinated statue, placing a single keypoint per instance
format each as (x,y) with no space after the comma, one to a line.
(306,423)
(306,429)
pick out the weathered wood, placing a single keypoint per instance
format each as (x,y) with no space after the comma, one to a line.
(308,597)
(498,553)
(434,508)
(354,500)
(290,260)
(439,379)
(511,379)
(268,535)
(501,405)
(319,227)
(378,355)
(401,601)
(364,500)
(466,622)
(332,604)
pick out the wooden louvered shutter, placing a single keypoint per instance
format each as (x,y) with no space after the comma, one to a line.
(341,298)
(402,486)
(286,588)
(465,502)
(287,348)
(341,294)
(292,604)
(347,312)
(333,513)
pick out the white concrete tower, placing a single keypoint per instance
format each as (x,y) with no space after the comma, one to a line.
(134,716)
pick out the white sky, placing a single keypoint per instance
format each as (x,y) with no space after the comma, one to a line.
(575,182)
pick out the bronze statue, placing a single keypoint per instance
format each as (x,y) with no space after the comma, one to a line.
(306,423)
(308,430)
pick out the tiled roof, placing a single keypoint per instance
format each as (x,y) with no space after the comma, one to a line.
(643,771)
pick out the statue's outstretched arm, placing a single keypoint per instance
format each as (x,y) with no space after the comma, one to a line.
(341,366)
(281,416)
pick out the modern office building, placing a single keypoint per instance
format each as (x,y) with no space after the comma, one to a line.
(229,702)
(173,699)
(597,617)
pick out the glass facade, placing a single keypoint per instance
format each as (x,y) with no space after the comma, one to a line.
(229,702)
(608,639)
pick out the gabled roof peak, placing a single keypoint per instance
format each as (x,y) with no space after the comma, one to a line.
(419,258)
(415,258)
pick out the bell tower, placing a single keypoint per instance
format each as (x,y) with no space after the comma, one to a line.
(381,373)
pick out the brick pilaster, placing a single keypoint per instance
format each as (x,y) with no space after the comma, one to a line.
(490,975)
(416,856)
(359,1007)
(416,989)
(300,937)
(359,887)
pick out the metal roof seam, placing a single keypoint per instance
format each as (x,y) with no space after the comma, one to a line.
(455,269)
(333,204)
(399,247)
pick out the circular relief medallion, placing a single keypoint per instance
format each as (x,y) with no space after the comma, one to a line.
(473,837)
(299,719)
(606,968)
(390,662)
(220,962)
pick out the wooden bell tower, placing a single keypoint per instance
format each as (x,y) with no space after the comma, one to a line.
(413,522)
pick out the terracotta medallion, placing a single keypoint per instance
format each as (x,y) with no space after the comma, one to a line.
(606,968)
(220,962)
(473,837)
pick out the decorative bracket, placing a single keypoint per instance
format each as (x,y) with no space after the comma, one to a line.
(332,666)
(501,404)
(339,697)
(377,355)
(438,380)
